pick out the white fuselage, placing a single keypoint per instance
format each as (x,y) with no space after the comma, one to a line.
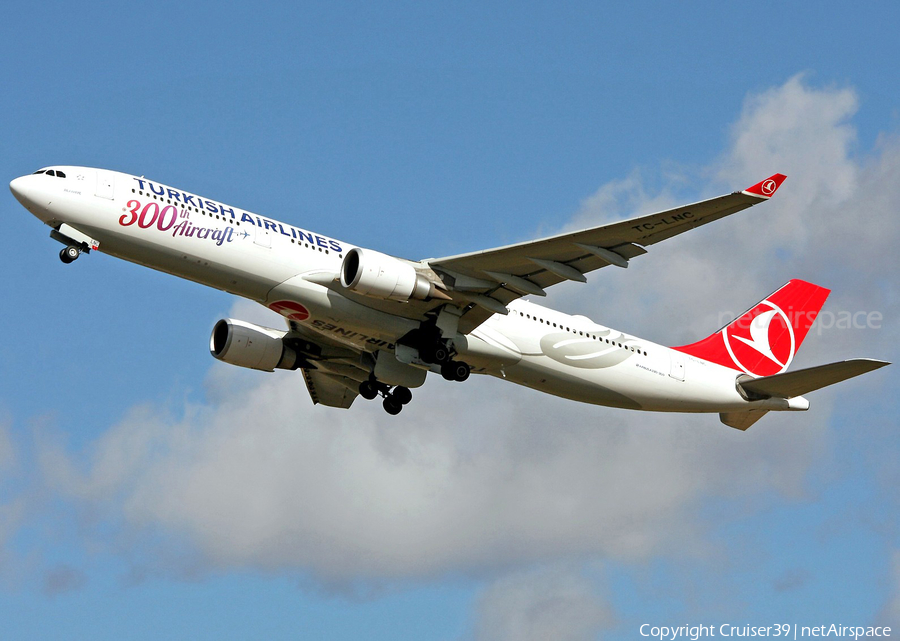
(265,260)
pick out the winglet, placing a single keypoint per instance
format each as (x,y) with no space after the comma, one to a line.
(766,188)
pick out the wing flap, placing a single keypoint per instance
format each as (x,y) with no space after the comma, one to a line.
(329,389)
(803,381)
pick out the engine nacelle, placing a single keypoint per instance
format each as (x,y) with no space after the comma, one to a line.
(374,274)
(247,345)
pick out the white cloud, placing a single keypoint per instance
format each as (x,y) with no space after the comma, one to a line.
(552,603)
(472,478)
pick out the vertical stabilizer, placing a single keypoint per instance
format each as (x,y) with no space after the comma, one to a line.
(764,340)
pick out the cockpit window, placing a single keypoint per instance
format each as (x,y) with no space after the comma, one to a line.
(51,172)
(60,174)
(40,171)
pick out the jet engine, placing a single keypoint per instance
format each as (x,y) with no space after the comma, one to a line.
(371,273)
(247,345)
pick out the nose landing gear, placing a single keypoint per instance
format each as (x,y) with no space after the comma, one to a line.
(69,254)
(75,242)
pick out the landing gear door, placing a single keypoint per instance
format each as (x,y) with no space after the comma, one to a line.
(676,366)
(105,184)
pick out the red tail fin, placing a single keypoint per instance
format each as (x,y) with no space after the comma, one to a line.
(763,340)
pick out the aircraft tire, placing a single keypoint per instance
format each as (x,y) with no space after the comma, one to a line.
(436,353)
(402,395)
(68,254)
(447,372)
(441,354)
(455,371)
(391,406)
(367,390)
(461,370)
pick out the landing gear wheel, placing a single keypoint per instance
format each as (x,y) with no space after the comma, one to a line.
(461,370)
(455,371)
(402,395)
(437,353)
(391,405)
(441,354)
(367,390)
(68,254)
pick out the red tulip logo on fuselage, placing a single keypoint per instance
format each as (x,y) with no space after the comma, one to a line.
(762,342)
(290,310)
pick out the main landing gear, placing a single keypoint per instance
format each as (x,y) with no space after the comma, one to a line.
(394,398)
(439,354)
(434,350)
(69,253)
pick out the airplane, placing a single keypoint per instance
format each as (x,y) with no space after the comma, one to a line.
(363,323)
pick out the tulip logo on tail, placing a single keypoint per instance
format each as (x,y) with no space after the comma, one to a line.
(763,346)
(763,341)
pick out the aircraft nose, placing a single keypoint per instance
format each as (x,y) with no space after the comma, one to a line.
(31,193)
(18,187)
(26,191)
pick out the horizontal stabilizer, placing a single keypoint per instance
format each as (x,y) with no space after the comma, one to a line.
(802,381)
(741,420)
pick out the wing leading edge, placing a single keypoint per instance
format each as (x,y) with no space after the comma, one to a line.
(485,282)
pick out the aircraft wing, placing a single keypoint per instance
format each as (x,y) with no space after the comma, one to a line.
(486,281)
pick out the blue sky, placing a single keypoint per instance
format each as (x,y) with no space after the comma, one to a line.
(148,491)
